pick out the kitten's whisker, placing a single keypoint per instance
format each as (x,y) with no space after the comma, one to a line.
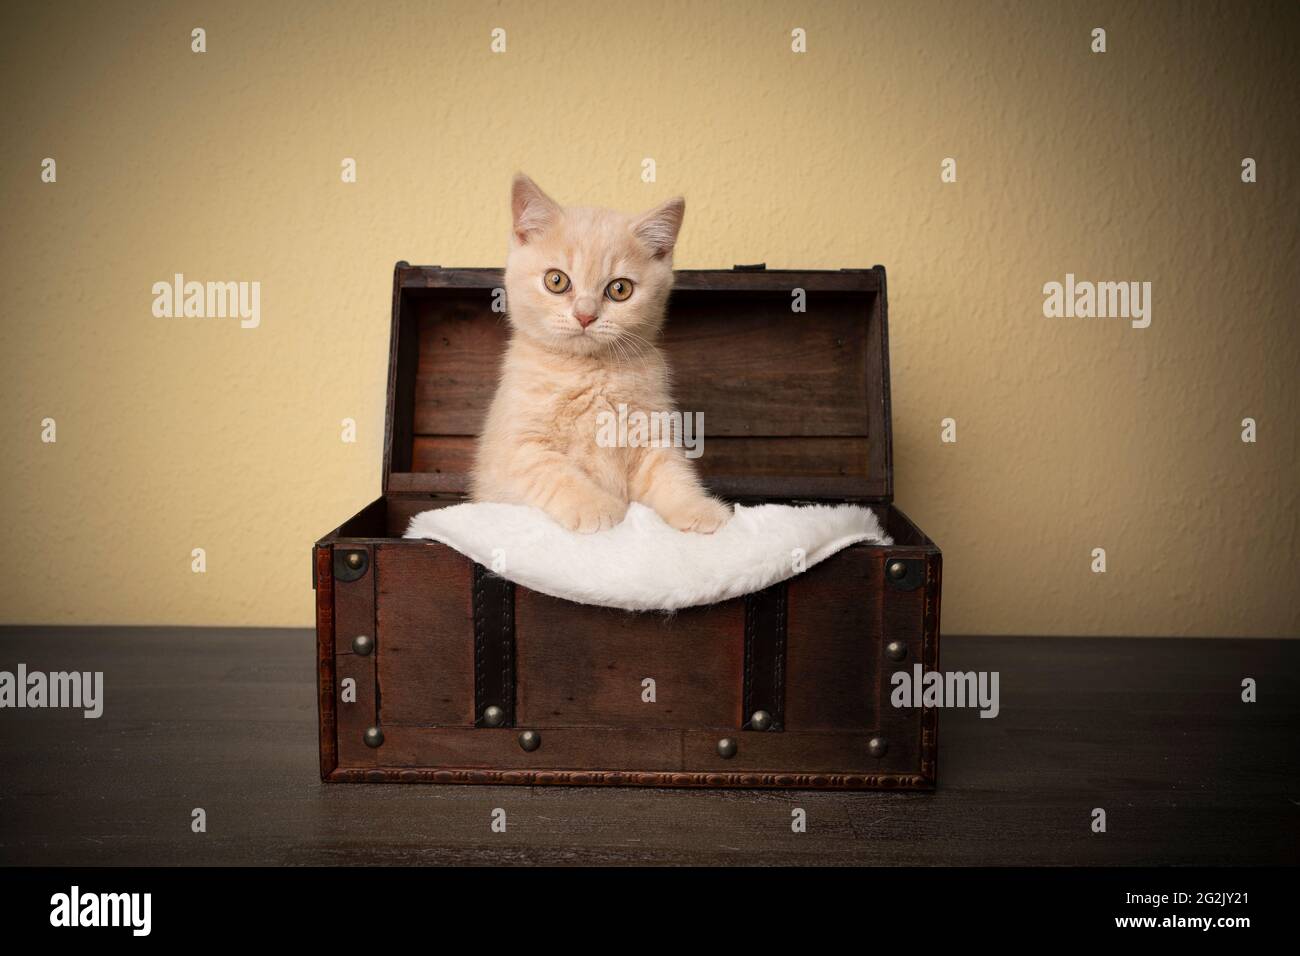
(639,338)
(619,350)
(636,345)
(622,350)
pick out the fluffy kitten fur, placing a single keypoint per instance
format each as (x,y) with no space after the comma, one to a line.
(538,446)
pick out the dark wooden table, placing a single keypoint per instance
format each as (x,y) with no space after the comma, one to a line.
(1153,731)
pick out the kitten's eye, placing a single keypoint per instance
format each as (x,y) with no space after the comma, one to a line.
(620,290)
(556,281)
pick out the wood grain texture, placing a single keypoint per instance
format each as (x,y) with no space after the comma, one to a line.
(1153,730)
(829,758)
(366,523)
(880,419)
(354,614)
(901,528)
(582,666)
(745,362)
(723,458)
(403,342)
(753,367)
(837,488)
(902,617)
(326,688)
(426,634)
(402,508)
(562,749)
(930,658)
(460,344)
(697,779)
(834,643)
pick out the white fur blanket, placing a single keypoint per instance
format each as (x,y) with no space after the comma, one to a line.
(642,564)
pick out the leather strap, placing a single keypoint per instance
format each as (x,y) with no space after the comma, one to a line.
(765,630)
(494,646)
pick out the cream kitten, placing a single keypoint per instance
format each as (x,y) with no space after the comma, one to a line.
(587,290)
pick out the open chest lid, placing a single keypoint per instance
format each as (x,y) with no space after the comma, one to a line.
(793,388)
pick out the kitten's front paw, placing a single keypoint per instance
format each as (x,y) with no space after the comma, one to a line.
(704,516)
(589,515)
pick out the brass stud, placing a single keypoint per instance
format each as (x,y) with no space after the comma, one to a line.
(727,748)
(374,737)
(494,716)
(877,746)
(350,565)
(896,650)
(897,570)
(363,645)
(760,720)
(530,740)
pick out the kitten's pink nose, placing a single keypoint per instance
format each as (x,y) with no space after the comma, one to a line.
(584,310)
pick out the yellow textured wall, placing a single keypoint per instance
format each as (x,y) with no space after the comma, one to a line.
(1072,434)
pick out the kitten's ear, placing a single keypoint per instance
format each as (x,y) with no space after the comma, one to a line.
(658,228)
(532,210)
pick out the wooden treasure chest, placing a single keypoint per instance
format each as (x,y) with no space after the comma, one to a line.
(433,669)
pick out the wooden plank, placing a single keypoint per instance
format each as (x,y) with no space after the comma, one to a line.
(400,402)
(401,509)
(426,636)
(791,752)
(832,649)
(773,487)
(930,661)
(354,614)
(722,458)
(451,455)
(460,345)
(880,422)
(746,363)
(584,666)
(751,366)
(775,280)
(903,530)
(903,618)
(428,482)
(326,685)
(561,749)
(366,523)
